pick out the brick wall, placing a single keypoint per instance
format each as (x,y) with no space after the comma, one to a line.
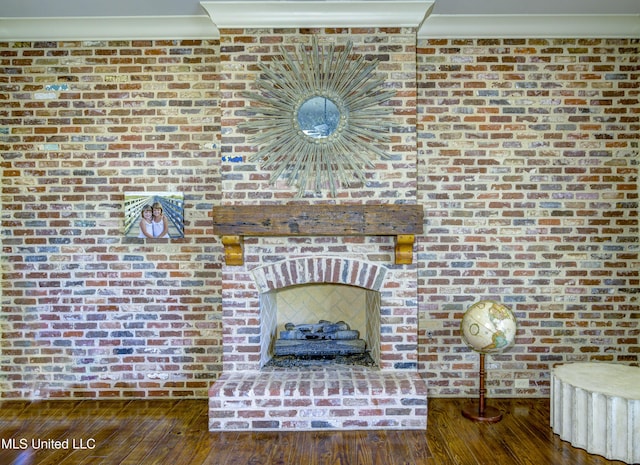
(528,171)
(85,311)
(527,165)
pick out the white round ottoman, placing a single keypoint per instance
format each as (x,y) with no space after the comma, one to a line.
(596,407)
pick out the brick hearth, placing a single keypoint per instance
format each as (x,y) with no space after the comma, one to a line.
(337,397)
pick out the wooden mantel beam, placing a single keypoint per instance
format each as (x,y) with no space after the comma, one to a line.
(232,222)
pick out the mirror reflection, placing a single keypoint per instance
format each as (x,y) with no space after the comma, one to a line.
(318,117)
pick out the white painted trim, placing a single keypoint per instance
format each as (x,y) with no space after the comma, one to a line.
(107,28)
(534,26)
(329,13)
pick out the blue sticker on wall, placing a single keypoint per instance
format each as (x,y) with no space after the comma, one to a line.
(57,87)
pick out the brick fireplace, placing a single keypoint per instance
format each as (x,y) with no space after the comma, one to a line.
(362,238)
(249,396)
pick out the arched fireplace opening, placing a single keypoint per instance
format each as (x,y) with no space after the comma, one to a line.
(312,278)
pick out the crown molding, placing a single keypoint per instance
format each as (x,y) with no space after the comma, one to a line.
(107,28)
(371,13)
(228,14)
(530,26)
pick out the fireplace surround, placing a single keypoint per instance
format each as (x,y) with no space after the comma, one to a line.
(248,396)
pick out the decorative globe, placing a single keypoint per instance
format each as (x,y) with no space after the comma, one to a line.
(488,327)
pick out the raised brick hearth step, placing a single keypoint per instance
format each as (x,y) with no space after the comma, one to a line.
(322,398)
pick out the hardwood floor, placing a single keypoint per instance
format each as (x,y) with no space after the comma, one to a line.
(144,432)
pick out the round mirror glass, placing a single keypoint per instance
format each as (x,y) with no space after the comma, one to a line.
(318,117)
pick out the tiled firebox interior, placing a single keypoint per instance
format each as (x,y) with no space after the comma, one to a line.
(248,396)
(304,304)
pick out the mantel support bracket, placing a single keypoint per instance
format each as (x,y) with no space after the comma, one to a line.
(233,250)
(404,249)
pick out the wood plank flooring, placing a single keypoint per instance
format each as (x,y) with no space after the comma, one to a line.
(149,432)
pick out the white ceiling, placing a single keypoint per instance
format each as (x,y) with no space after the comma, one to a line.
(96,19)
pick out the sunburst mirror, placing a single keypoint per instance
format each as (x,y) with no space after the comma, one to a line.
(317,117)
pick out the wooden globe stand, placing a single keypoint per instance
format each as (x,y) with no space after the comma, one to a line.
(479,411)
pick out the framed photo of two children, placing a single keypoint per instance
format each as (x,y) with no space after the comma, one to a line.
(154,215)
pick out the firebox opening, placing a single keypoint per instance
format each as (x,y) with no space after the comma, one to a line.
(321,307)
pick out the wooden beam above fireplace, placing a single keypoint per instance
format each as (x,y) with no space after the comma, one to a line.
(233,222)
